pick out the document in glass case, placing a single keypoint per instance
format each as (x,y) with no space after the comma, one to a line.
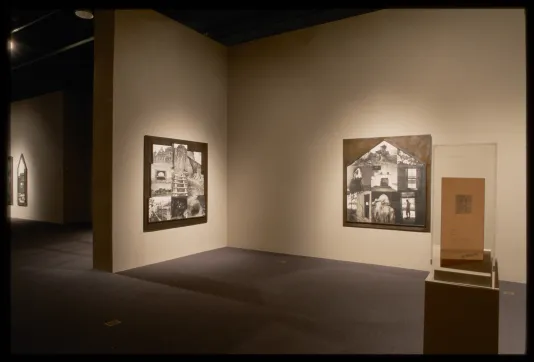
(462,219)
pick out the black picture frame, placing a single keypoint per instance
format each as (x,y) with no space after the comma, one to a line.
(149,143)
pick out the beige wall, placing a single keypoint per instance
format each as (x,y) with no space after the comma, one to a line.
(37,133)
(169,81)
(458,75)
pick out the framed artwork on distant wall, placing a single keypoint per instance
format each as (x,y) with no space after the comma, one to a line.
(10,180)
(386,183)
(22,182)
(175,183)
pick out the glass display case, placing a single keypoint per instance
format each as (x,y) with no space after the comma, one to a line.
(464,215)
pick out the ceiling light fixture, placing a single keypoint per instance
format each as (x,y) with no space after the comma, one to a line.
(84,14)
(11,45)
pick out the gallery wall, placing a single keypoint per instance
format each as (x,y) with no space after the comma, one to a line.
(168,81)
(37,133)
(458,75)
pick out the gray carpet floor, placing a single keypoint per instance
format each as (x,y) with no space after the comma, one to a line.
(222,301)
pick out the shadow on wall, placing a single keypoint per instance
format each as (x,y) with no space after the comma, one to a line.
(78,146)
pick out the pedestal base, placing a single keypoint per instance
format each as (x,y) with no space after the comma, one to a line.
(460,319)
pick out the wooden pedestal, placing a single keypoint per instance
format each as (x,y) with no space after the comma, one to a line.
(460,319)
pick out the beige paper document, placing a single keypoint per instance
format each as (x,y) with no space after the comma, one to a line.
(462,218)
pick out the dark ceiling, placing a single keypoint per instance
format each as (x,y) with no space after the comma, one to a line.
(232,27)
(40,59)
(53,49)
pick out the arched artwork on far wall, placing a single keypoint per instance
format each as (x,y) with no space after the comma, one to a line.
(22,182)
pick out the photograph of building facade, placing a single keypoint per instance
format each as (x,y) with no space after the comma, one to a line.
(386,185)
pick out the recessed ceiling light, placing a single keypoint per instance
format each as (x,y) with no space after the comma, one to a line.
(11,45)
(84,14)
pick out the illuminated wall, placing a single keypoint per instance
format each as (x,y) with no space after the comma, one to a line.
(37,132)
(159,78)
(459,75)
